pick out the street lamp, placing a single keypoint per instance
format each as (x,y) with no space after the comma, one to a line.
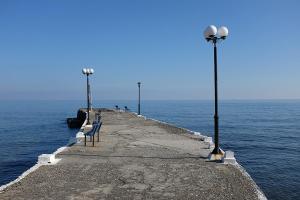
(139,105)
(214,35)
(87,72)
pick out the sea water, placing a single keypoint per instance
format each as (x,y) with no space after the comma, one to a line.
(265,135)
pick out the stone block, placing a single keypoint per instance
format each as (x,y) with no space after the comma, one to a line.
(229,158)
(46,159)
(80,135)
(208,141)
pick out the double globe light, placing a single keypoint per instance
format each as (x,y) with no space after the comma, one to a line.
(212,33)
(87,71)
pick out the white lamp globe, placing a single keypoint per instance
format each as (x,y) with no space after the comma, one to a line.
(84,70)
(92,71)
(210,31)
(223,32)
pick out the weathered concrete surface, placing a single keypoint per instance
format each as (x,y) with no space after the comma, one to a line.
(135,159)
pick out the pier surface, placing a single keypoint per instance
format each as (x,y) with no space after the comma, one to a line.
(135,159)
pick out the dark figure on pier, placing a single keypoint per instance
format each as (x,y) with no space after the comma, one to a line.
(117,107)
(126,108)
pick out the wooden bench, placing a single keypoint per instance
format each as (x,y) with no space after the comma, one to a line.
(96,129)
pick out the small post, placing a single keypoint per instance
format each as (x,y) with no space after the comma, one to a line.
(139,104)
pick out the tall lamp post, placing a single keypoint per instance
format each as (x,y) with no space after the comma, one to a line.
(87,72)
(214,35)
(139,105)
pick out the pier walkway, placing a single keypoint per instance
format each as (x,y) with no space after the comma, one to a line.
(135,159)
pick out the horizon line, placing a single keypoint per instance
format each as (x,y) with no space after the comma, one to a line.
(242,99)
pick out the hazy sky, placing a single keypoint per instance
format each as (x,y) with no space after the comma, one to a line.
(45,44)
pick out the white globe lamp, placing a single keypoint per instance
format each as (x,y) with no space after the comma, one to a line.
(223,32)
(210,31)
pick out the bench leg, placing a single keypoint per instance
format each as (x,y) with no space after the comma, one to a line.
(85,140)
(98,136)
(93,140)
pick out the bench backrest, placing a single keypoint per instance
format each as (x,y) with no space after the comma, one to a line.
(99,126)
(95,125)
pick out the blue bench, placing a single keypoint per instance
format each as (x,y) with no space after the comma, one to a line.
(96,129)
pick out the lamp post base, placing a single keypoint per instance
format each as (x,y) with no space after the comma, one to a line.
(213,156)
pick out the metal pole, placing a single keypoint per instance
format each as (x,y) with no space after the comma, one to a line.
(216,117)
(88,99)
(139,105)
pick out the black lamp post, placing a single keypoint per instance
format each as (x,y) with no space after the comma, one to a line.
(139,105)
(213,35)
(87,72)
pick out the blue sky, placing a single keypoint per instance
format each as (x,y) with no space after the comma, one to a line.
(45,44)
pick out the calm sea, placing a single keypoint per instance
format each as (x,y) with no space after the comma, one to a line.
(265,135)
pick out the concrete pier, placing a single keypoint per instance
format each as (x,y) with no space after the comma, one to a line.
(135,159)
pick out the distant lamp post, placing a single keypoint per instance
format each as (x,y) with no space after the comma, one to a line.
(214,35)
(139,104)
(87,72)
